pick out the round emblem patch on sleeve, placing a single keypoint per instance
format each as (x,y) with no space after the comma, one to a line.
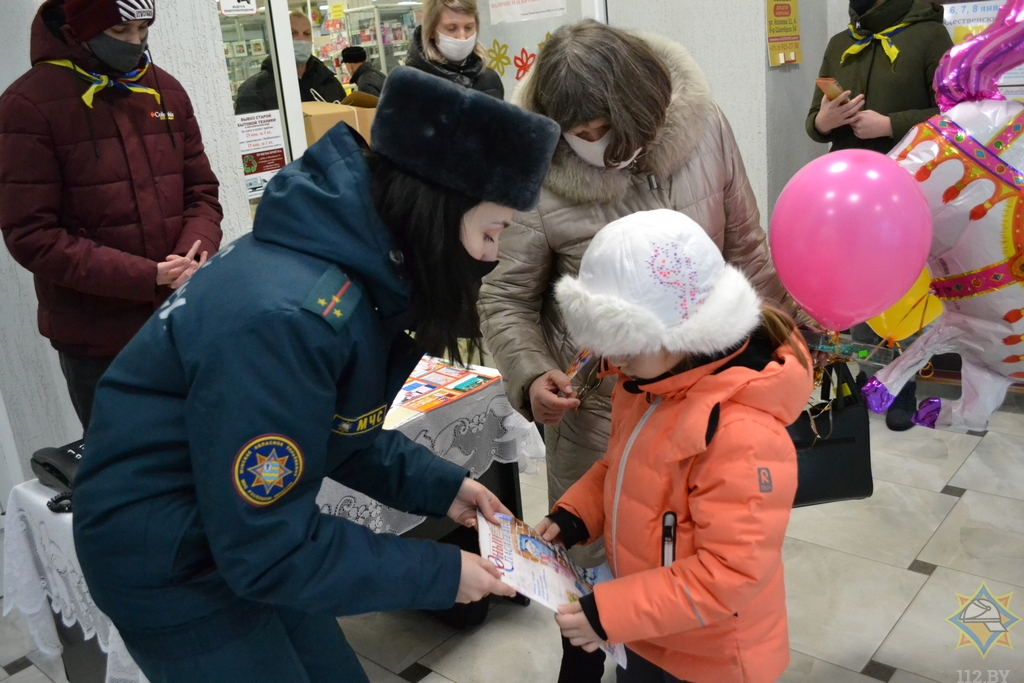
(267,468)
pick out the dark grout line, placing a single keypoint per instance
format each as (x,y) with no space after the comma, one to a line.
(879,671)
(415,673)
(954,491)
(17,665)
(920,567)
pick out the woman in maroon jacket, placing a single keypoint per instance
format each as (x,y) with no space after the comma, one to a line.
(106,194)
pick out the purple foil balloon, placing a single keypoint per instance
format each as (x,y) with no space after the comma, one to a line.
(928,413)
(876,396)
(970,72)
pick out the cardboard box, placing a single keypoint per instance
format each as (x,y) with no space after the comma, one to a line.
(320,117)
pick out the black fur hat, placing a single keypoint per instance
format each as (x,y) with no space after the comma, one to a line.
(353,55)
(463,139)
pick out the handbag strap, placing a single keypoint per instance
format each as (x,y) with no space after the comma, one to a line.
(826,383)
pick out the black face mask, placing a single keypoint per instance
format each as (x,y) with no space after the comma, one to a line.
(481,269)
(119,55)
(861,7)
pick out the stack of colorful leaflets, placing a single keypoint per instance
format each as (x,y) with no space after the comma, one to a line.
(435,383)
(537,569)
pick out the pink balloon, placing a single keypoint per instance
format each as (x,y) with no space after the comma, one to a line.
(849,236)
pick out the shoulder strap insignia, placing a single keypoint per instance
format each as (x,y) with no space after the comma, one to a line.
(333,298)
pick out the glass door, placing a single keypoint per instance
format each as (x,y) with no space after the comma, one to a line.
(268,113)
(385,31)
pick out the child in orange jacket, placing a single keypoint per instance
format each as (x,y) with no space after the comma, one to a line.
(694,494)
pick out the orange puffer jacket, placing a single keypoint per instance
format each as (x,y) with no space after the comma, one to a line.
(718,613)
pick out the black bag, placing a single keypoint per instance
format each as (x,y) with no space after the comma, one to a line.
(833,445)
(56,467)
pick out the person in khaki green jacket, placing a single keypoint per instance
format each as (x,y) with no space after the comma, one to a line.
(640,131)
(694,494)
(885,62)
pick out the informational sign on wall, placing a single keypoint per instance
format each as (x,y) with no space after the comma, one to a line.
(238,8)
(784,32)
(503,11)
(262,143)
(964,20)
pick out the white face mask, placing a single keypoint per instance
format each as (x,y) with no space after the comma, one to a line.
(593,152)
(453,49)
(303,49)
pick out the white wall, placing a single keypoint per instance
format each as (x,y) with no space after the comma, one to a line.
(789,90)
(838,15)
(766,106)
(526,35)
(720,36)
(186,42)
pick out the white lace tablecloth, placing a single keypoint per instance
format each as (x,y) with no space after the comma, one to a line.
(40,565)
(41,570)
(473,432)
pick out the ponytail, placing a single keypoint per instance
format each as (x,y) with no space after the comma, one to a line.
(782,330)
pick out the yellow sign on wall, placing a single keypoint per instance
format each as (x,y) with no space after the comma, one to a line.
(784,32)
(337,10)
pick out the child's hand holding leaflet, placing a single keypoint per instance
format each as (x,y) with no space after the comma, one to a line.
(535,568)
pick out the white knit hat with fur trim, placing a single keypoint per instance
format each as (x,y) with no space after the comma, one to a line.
(655,281)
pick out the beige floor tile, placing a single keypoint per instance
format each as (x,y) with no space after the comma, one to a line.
(538,479)
(394,640)
(435,677)
(15,638)
(892,526)
(1006,423)
(518,642)
(535,504)
(806,669)
(53,667)
(923,458)
(378,674)
(996,466)
(907,677)
(841,607)
(925,643)
(982,536)
(29,675)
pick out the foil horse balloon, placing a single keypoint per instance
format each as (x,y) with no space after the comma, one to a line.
(970,162)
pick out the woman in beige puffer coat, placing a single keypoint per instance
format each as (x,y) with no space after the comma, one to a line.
(589,74)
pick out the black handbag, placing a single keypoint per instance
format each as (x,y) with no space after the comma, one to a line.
(833,444)
(56,467)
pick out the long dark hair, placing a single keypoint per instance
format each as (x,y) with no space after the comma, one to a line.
(426,222)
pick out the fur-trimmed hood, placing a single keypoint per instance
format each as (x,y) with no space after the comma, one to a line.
(579,182)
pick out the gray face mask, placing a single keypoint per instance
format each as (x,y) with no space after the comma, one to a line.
(119,55)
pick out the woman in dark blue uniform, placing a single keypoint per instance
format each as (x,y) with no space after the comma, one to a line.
(195,516)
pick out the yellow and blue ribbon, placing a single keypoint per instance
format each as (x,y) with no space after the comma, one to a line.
(98,82)
(884,37)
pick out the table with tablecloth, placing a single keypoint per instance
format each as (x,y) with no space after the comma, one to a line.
(41,569)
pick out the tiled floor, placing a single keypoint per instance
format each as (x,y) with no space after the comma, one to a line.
(870,584)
